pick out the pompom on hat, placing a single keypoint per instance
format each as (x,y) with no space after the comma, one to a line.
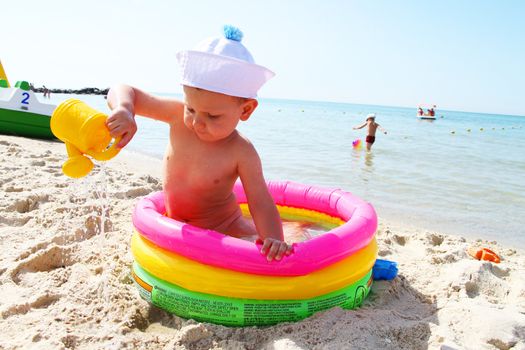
(224,65)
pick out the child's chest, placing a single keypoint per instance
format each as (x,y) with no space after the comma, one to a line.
(200,165)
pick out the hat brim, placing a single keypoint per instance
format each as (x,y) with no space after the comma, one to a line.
(222,74)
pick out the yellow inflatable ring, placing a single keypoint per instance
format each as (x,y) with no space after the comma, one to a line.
(198,277)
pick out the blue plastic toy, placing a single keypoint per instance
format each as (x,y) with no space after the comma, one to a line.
(384,270)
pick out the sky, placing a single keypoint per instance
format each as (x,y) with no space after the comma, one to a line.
(458,54)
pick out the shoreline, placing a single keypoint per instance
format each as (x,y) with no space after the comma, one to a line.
(65,262)
(83,91)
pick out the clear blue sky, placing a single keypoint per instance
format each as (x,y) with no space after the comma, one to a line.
(458,54)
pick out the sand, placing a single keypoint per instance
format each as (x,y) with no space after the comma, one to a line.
(65,275)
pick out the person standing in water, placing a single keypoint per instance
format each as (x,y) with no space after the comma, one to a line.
(372,128)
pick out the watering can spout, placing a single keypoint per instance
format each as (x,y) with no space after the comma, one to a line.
(84,132)
(77,165)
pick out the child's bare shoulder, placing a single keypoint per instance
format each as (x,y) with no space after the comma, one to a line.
(244,148)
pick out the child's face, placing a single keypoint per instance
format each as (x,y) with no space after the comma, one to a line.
(214,116)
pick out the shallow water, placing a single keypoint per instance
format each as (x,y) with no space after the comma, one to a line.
(462,173)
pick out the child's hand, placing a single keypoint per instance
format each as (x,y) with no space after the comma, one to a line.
(122,123)
(275,249)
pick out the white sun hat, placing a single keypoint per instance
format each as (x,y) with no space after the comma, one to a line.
(371,116)
(224,65)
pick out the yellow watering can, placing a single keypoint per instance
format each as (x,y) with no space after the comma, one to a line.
(84,131)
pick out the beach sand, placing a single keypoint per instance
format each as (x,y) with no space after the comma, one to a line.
(65,275)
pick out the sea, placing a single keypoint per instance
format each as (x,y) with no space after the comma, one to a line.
(462,174)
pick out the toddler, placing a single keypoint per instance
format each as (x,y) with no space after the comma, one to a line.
(205,153)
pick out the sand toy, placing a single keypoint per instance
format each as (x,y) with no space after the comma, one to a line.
(84,131)
(483,254)
(384,270)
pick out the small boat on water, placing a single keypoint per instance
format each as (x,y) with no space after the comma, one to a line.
(430,114)
(426,117)
(21,113)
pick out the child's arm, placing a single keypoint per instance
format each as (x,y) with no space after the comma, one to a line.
(126,101)
(380,128)
(360,126)
(262,207)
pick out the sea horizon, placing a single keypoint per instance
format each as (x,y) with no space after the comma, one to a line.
(277,99)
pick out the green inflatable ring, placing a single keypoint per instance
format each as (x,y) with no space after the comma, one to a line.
(243,312)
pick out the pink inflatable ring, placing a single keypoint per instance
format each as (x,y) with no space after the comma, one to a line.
(213,248)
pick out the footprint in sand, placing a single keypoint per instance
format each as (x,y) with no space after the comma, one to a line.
(40,302)
(401,240)
(54,159)
(32,250)
(150,179)
(472,289)
(54,169)
(500,272)
(446,258)
(193,333)
(137,192)
(484,281)
(70,341)
(37,163)
(29,203)
(42,261)
(384,252)
(5,180)
(13,188)
(139,319)
(14,221)
(141,186)
(13,150)
(439,255)
(39,156)
(502,344)
(139,189)
(61,240)
(388,238)
(435,239)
